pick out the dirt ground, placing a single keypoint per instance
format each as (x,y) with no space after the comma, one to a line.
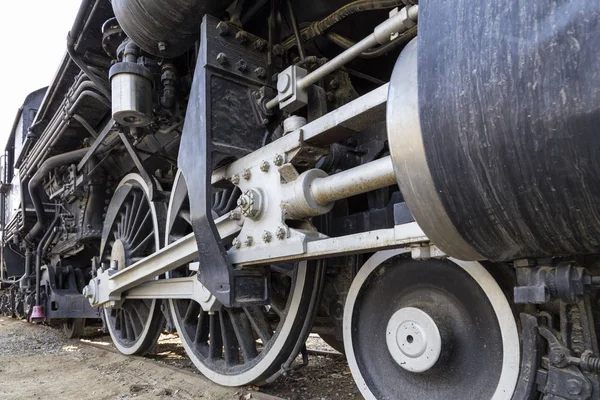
(39,362)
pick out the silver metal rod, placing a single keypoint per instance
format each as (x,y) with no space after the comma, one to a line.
(381,35)
(362,179)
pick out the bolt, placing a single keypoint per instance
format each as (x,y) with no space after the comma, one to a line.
(266,236)
(574,386)
(241,65)
(283,82)
(235,179)
(260,72)
(235,215)
(241,37)
(248,241)
(223,28)
(278,161)
(278,50)
(222,58)
(243,201)
(265,122)
(236,243)
(259,45)
(280,233)
(246,174)
(162,46)
(264,166)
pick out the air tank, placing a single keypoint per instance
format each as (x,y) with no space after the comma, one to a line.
(165,28)
(493,123)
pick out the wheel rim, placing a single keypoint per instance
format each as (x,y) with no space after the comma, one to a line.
(250,343)
(131,232)
(479,348)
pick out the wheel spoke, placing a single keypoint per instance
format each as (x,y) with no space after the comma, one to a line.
(216,339)
(135,224)
(244,333)
(191,314)
(230,343)
(202,328)
(139,228)
(260,323)
(143,243)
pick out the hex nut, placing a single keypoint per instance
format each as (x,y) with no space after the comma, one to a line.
(264,166)
(248,241)
(241,65)
(278,161)
(223,28)
(235,179)
(260,72)
(280,233)
(259,45)
(241,37)
(222,58)
(246,174)
(236,243)
(266,236)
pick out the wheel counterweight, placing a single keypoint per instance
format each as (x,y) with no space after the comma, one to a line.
(132,230)
(430,329)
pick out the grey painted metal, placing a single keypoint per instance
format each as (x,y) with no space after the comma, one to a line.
(413,339)
(382,34)
(410,162)
(294,244)
(175,288)
(364,178)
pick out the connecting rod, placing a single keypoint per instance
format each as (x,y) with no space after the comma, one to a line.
(312,193)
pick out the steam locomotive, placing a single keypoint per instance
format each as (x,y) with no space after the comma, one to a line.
(417,182)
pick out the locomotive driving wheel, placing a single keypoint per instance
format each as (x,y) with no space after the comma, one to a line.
(132,230)
(239,346)
(430,330)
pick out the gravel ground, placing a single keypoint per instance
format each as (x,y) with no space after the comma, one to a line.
(72,370)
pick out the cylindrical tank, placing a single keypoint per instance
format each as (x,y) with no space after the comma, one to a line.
(165,28)
(494,130)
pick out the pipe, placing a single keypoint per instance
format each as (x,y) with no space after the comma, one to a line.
(46,239)
(317,28)
(381,35)
(36,181)
(294,22)
(23,282)
(346,43)
(79,61)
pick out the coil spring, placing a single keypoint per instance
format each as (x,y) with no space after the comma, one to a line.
(589,362)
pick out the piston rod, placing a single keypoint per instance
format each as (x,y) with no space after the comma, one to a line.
(362,179)
(398,23)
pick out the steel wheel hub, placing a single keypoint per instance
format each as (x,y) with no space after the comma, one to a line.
(413,339)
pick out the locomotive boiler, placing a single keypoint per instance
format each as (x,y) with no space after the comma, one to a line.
(415,181)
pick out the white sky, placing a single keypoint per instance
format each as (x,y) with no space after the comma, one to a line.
(33,41)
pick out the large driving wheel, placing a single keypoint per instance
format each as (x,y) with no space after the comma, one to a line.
(435,329)
(132,231)
(239,346)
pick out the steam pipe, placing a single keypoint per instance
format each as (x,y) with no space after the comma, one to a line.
(46,239)
(36,181)
(25,277)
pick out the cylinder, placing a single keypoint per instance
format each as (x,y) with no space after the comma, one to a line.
(165,29)
(494,137)
(131,86)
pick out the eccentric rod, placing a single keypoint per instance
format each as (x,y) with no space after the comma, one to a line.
(398,23)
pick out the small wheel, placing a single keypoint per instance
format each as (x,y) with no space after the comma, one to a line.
(132,230)
(74,327)
(239,346)
(430,330)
